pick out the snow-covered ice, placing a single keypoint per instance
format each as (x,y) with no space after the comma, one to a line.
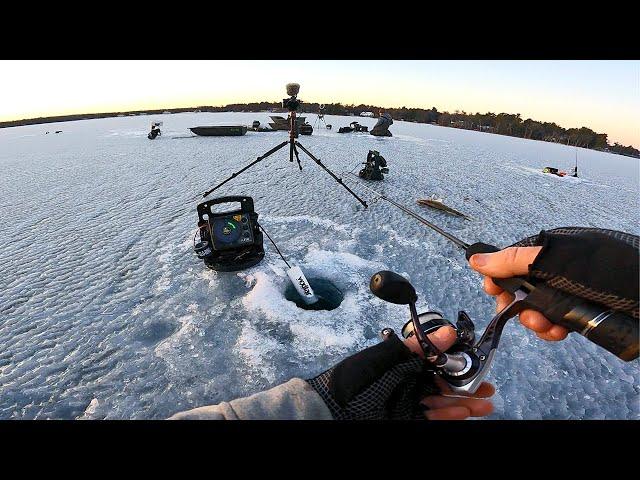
(105,312)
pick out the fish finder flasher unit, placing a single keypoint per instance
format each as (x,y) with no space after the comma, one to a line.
(231,240)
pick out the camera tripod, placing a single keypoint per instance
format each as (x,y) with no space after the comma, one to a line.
(292,103)
(320,118)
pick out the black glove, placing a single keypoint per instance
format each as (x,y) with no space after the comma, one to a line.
(592,263)
(385,381)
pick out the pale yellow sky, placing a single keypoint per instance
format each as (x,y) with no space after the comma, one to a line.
(601,95)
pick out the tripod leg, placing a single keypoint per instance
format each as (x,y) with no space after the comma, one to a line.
(259,159)
(295,150)
(339,180)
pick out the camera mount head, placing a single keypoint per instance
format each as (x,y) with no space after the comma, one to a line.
(292,103)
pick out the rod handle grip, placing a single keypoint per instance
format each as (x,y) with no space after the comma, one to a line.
(614,331)
(618,334)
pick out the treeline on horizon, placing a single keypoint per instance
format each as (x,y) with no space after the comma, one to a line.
(501,123)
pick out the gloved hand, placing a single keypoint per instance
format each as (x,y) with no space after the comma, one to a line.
(391,380)
(592,263)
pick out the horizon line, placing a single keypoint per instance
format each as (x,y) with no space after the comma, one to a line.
(267,101)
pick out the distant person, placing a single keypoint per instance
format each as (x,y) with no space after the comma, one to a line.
(155,131)
(381,128)
(374,167)
(388,381)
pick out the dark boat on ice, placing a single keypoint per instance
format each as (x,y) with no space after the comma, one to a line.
(437,203)
(281,123)
(220,130)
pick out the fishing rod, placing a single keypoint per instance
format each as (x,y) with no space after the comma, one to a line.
(468,363)
(422,220)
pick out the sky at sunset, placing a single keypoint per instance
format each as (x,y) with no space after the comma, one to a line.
(601,95)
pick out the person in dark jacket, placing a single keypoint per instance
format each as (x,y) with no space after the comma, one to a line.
(381,128)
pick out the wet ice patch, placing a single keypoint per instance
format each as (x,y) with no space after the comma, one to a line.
(180,339)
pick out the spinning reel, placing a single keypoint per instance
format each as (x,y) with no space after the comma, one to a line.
(465,365)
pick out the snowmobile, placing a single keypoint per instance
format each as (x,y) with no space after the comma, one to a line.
(554,171)
(560,173)
(353,127)
(374,167)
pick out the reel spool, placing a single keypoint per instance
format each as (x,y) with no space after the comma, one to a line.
(432,321)
(229,241)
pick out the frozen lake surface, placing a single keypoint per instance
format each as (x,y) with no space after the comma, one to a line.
(106,312)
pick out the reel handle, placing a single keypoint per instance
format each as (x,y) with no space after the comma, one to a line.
(393,288)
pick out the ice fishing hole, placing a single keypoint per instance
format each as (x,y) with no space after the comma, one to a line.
(329,296)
